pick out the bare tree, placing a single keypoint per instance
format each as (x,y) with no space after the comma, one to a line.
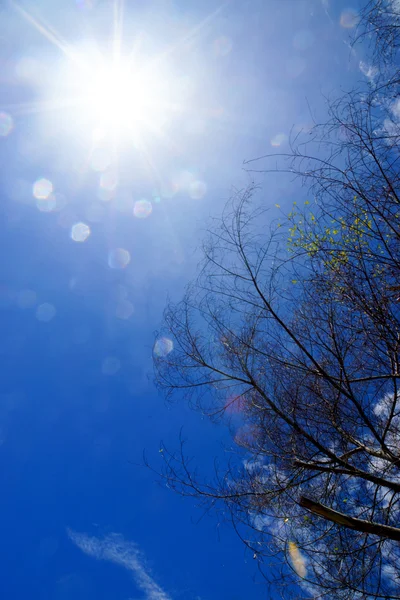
(295,325)
(380,27)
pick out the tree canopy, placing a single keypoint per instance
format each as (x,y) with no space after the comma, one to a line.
(294,326)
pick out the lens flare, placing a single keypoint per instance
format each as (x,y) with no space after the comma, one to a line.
(162,347)
(142,209)
(279,139)
(349,18)
(45,312)
(6,124)
(297,560)
(48,204)
(80,232)
(42,188)
(119,258)
(110,365)
(109,180)
(197,190)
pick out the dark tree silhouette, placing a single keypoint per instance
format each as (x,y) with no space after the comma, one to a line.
(294,326)
(380,26)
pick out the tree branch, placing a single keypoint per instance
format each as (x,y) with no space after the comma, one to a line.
(367,527)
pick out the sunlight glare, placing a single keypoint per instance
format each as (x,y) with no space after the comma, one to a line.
(115,97)
(108,92)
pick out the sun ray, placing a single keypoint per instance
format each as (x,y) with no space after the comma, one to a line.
(125,94)
(40,106)
(46,31)
(146,154)
(191,34)
(118,21)
(135,49)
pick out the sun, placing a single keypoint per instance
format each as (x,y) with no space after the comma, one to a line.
(116,96)
(113,90)
(99,87)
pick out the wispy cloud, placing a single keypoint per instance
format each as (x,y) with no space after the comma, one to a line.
(325,4)
(368,70)
(121,552)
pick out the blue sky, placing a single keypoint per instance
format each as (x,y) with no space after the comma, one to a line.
(104,198)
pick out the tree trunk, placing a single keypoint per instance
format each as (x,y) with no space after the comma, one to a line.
(383,531)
